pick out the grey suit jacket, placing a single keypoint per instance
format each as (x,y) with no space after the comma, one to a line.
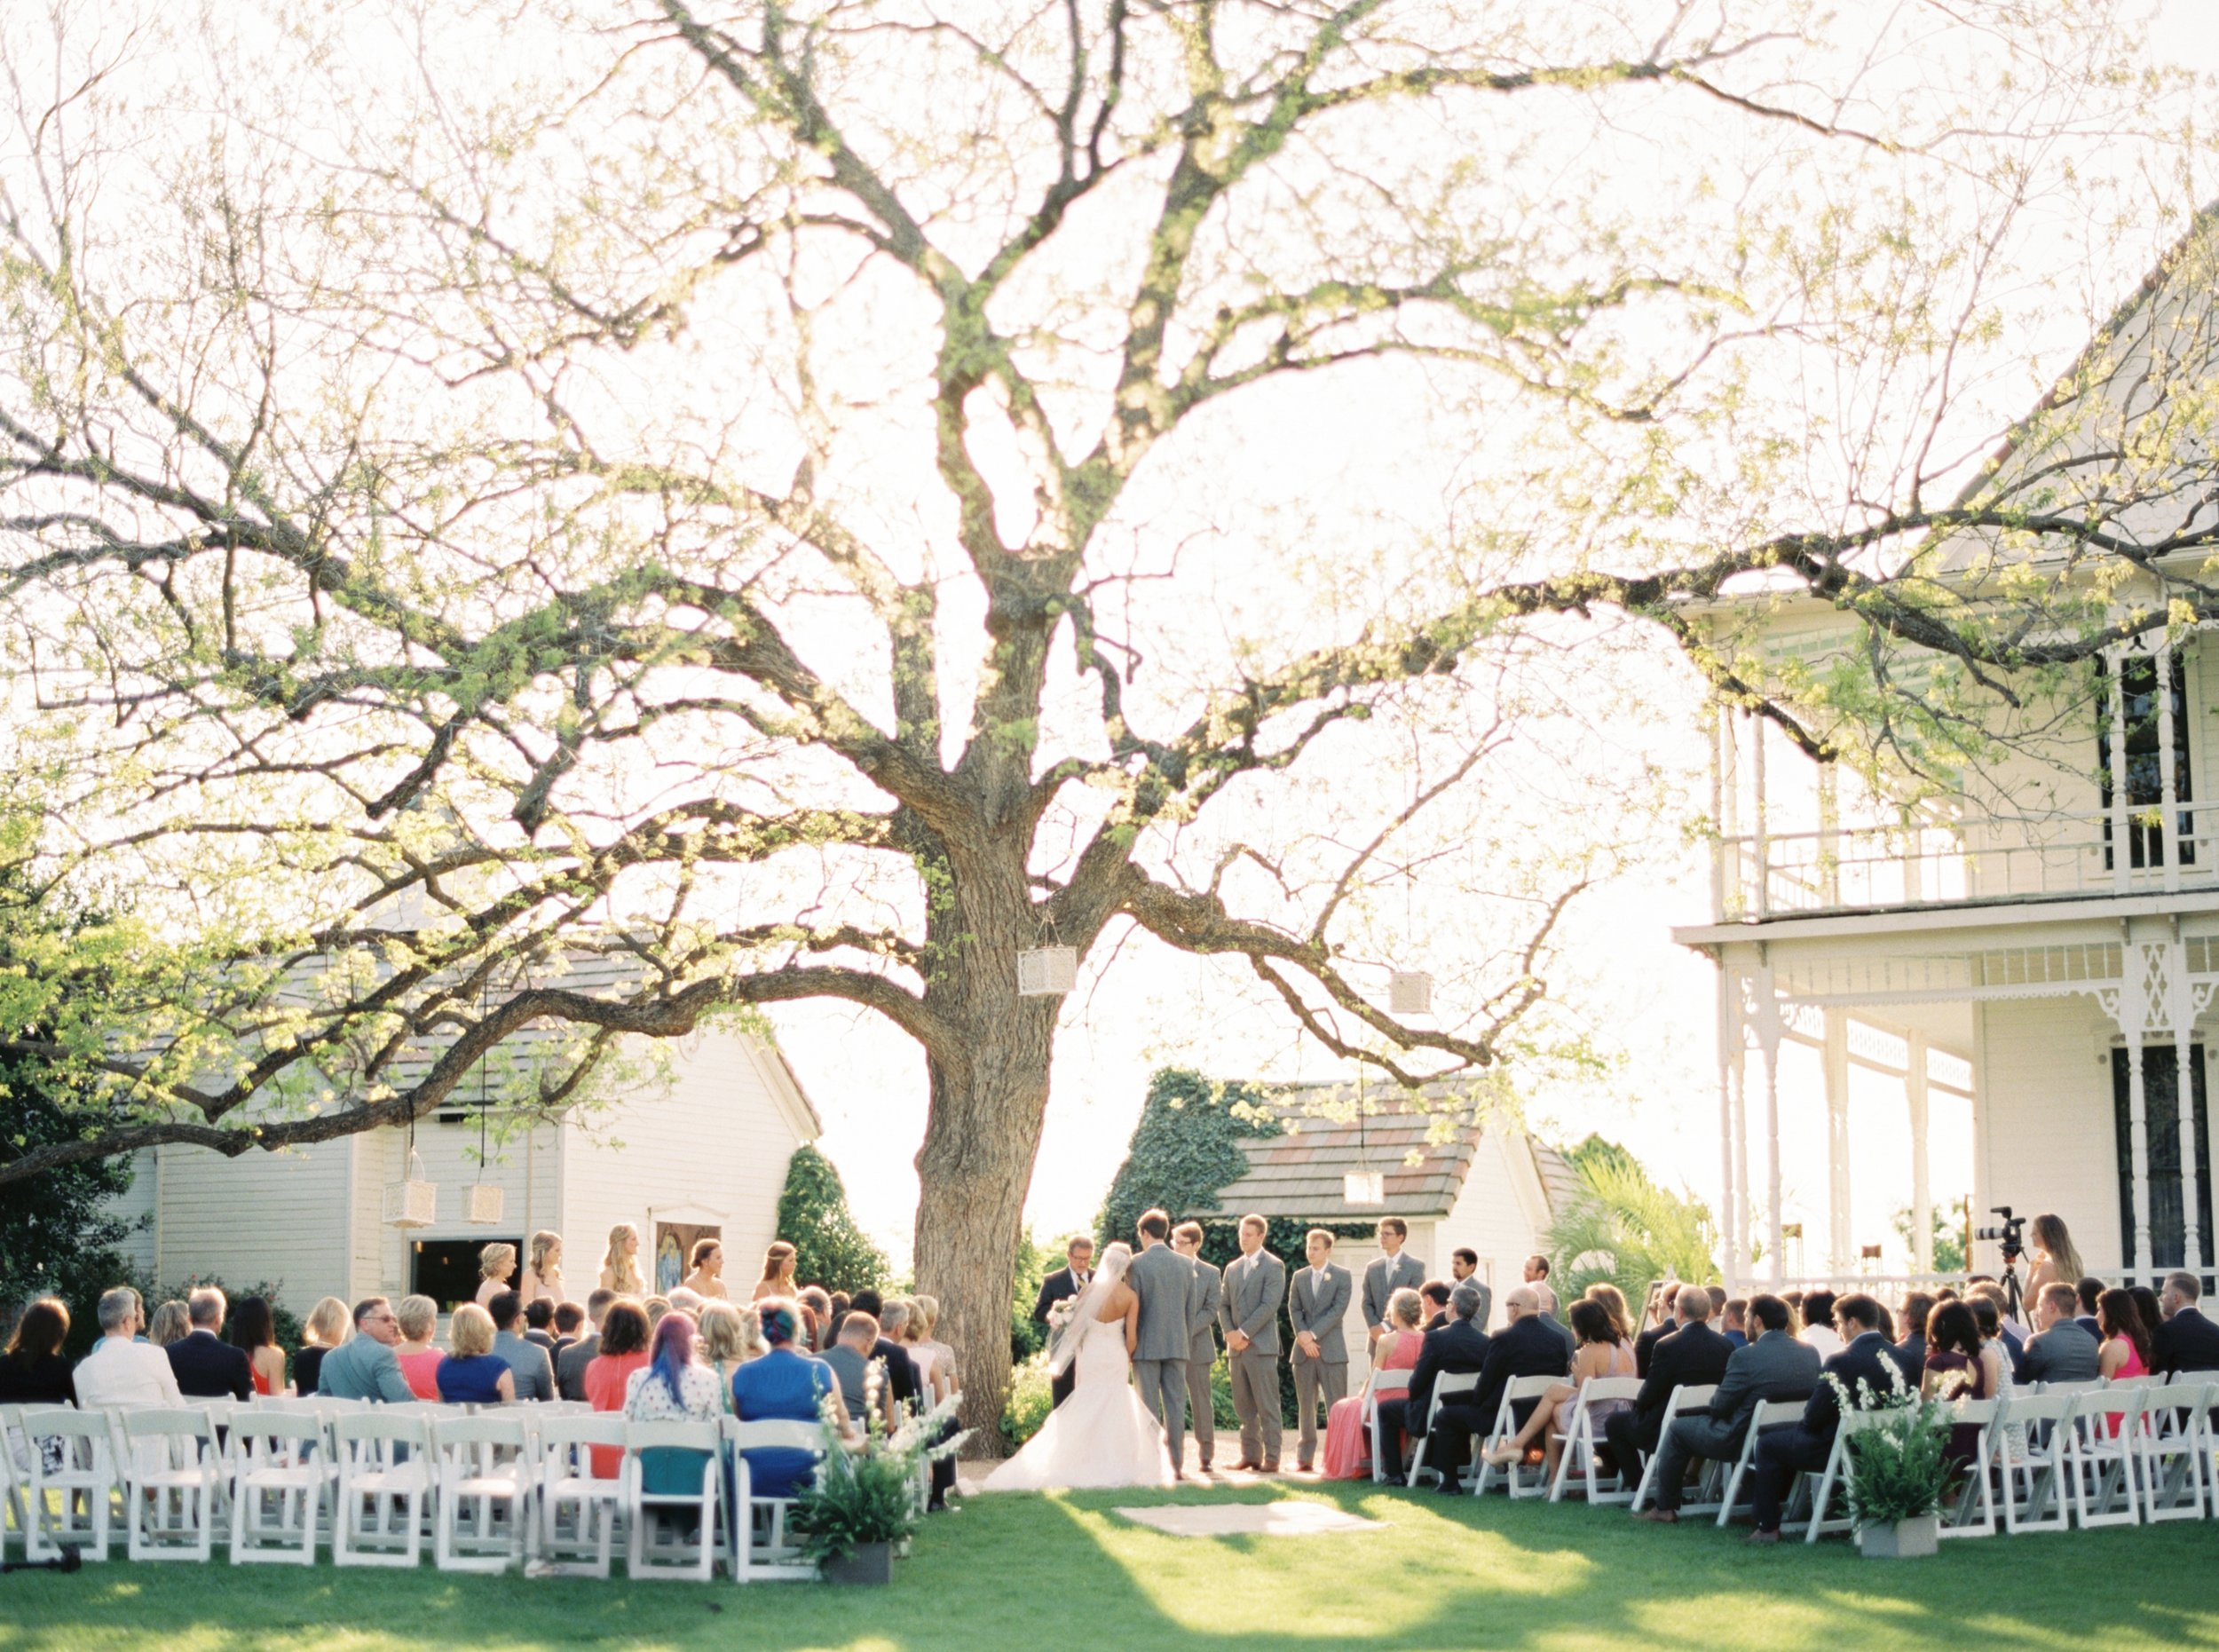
(1254,1287)
(1319,1304)
(1208,1298)
(534,1371)
(2065,1353)
(570,1367)
(1774,1367)
(1383,1278)
(1164,1281)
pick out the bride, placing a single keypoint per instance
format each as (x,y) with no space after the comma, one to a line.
(1102,1435)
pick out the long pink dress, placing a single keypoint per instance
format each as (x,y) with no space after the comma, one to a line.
(1347,1454)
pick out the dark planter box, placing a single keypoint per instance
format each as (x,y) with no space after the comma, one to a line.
(866,1562)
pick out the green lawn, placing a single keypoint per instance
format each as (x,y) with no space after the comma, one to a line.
(1066,1572)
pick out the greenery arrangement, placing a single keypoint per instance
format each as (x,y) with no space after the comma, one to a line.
(868,1492)
(1898,1463)
(815,1219)
(1627,1231)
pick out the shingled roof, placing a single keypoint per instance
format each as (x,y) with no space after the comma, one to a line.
(1423,1149)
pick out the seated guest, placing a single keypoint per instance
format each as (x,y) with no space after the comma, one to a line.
(2060,1350)
(1794,1300)
(1783,1453)
(1733,1321)
(899,1372)
(1613,1303)
(1718,1307)
(207,1368)
(1956,1371)
(1990,1292)
(786,1385)
(418,1354)
(539,1324)
(1597,1352)
(1527,1345)
(721,1337)
(1818,1324)
(1775,1366)
(34,1372)
(656,1307)
(1457,1348)
(1347,1437)
(673,1387)
(622,1351)
(2185,1340)
(2089,1289)
(363,1367)
(527,1362)
(473,1374)
(254,1333)
(1664,1304)
(1433,1294)
(1695,1355)
(2152,1312)
(568,1321)
(570,1364)
(849,1361)
(170,1324)
(324,1330)
(1910,1352)
(1995,1361)
(2126,1351)
(684,1301)
(820,1315)
(121,1371)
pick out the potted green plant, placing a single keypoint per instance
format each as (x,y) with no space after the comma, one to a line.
(865,1502)
(1897,1461)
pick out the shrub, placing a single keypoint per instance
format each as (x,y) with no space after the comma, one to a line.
(815,1220)
(1031,1400)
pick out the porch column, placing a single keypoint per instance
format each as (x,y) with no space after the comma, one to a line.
(1921,1180)
(1729,1096)
(2121,850)
(2133,1015)
(2169,785)
(1835,1052)
(1728,813)
(1763,870)
(2180,1001)
(1768,1043)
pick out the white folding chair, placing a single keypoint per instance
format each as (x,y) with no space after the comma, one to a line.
(15,1513)
(172,1473)
(1839,1471)
(1503,1430)
(1370,1413)
(1769,1414)
(280,1466)
(385,1479)
(659,1546)
(2175,1451)
(1445,1388)
(1580,1443)
(761,1549)
(485,1476)
(2105,1473)
(1686,1401)
(2032,1453)
(578,1510)
(1973,1513)
(70,1504)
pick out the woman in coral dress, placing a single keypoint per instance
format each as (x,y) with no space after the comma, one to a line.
(1347,1454)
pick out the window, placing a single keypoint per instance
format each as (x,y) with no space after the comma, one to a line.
(447,1271)
(2144,765)
(2161,1134)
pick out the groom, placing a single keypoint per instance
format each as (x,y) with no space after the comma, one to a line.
(1167,1284)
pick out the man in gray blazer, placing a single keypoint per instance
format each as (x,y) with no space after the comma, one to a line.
(1202,1351)
(1316,1305)
(1392,1271)
(1775,1366)
(2061,1350)
(1255,1285)
(1164,1281)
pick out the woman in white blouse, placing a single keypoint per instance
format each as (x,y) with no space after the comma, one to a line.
(672,1387)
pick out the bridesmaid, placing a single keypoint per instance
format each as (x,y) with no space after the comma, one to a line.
(707,1279)
(543,1274)
(778,1273)
(619,1263)
(496,1263)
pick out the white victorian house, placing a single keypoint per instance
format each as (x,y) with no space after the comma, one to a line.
(2047,941)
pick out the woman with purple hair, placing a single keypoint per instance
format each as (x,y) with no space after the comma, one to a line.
(672,1387)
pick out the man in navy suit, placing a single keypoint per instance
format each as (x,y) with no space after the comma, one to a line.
(206,1368)
(1783,1453)
(1064,1283)
(1692,1356)
(2186,1340)
(1457,1348)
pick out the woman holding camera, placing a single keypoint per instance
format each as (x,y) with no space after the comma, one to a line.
(2054,1261)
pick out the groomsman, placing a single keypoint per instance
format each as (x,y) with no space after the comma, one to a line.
(1388,1273)
(1255,1285)
(1316,1305)
(1065,1283)
(1463,1268)
(1201,1354)
(1164,1281)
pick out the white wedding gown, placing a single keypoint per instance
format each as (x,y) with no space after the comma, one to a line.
(1102,1435)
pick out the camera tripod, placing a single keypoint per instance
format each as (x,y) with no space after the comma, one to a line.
(2014,1302)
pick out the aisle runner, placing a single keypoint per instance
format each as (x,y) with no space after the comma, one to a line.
(1270,1520)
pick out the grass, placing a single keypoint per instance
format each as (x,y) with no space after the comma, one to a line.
(1067,1571)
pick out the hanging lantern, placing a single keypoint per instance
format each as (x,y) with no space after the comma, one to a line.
(412,1202)
(1364,1186)
(1046,971)
(481,1203)
(1410,992)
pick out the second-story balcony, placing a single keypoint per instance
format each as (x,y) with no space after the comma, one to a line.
(2052,858)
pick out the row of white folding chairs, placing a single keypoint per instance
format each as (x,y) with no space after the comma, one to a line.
(511,1485)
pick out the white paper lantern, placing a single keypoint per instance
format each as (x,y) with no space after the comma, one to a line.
(412,1202)
(1410,992)
(1364,1186)
(481,1203)
(1046,971)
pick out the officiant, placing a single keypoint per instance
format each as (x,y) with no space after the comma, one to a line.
(1060,1286)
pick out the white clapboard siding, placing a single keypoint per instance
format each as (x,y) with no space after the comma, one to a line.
(261,1216)
(2047,1138)
(1501,1212)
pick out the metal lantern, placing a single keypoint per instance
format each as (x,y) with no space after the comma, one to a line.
(1364,1186)
(1410,992)
(1046,971)
(481,1203)
(412,1202)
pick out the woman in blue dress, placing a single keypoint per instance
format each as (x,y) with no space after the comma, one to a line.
(783,1385)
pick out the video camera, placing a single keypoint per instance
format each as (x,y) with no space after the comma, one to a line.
(2011,1234)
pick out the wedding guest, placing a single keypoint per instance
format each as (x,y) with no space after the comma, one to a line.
(1955,1370)
(1775,1366)
(721,1333)
(1995,1365)
(2126,1351)
(785,1385)
(528,1364)
(472,1373)
(849,1361)
(415,1353)
(1665,1304)
(943,1356)
(684,1301)
(1255,1285)
(1598,1354)
(932,1384)
(619,1263)
(570,1364)
(623,1350)
(1065,1283)
(1457,1347)
(1537,1277)
(325,1329)
(2014,1347)
(2055,1258)
(2060,1350)
(779,1263)
(254,1333)
(569,1324)
(820,1315)
(1347,1439)
(705,1276)
(1734,1324)
(363,1366)
(1527,1346)
(1434,1296)
(496,1267)
(170,1325)
(2087,1290)
(542,1280)
(1918,1307)
(539,1320)
(121,1371)
(1613,1303)
(901,1376)
(1386,1274)
(1818,1324)
(673,1386)
(34,1372)
(656,1307)
(206,1368)
(1695,1355)
(1317,1304)
(2186,1340)
(1782,1453)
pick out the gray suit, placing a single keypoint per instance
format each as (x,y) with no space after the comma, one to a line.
(2065,1353)
(570,1367)
(1318,1303)
(1201,1354)
(1487,1299)
(1774,1367)
(1254,1287)
(1165,1282)
(1383,1278)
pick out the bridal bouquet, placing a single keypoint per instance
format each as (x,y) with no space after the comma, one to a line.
(1060,1314)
